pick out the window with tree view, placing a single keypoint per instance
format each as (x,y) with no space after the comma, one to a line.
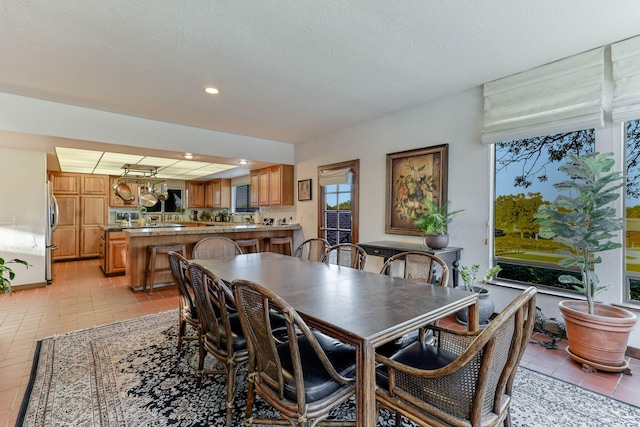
(632,231)
(525,171)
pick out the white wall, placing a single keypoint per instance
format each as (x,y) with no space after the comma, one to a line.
(23,213)
(455,120)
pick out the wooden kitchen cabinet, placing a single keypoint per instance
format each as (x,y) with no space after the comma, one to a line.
(65,183)
(66,236)
(195,194)
(272,186)
(93,215)
(80,215)
(254,187)
(94,184)
(114,258)
(217,193)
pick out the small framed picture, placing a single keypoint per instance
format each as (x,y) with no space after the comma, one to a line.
(304,190)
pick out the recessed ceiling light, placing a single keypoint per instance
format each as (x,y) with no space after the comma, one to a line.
(188,156)
(243,162)
(211,90)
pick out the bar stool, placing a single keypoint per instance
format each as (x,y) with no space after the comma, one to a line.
(251,245)
(283,245)
(152,253)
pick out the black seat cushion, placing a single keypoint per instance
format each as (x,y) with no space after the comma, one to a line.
(318,383)
(417,355)
(391,348)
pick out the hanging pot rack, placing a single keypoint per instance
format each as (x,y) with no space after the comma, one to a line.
(139,174)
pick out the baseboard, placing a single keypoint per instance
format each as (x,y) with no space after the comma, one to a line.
(30,286)
(633,352)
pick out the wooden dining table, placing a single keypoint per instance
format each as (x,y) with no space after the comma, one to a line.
(360,308)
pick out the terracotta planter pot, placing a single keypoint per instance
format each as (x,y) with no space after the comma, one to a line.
(600,338)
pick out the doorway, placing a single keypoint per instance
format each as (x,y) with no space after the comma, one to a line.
(338,209)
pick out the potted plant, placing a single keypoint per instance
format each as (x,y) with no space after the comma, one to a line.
(585,222)
(5,282)
(485,303)
(434,223)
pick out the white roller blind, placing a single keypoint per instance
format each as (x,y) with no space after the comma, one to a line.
(625,56)
(334,177)
(563,96)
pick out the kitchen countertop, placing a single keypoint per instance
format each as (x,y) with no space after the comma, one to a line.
(217,228)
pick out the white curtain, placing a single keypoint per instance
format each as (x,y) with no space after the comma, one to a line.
(562,96)
(625,56)
(334,177)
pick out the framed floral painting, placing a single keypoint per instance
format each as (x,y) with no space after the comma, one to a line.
(414,177)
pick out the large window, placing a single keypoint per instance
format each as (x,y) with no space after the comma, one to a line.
(338,209)
(632,200)
(525,171)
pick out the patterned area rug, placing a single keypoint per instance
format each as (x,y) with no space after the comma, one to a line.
(130,374)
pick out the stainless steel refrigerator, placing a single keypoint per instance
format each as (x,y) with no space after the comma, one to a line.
(52,223)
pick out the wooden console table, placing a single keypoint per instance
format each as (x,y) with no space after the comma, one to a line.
(387,249)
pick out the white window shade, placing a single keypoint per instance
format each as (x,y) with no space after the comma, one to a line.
(563,96)
(625,56)
(334,177)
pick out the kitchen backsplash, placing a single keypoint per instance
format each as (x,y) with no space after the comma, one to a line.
(279,214)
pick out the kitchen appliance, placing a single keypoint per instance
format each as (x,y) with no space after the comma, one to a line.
(53,214)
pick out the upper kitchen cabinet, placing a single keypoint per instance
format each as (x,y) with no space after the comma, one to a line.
(217,193)
(94,184)
(65,183)
(272,186)
(195,194)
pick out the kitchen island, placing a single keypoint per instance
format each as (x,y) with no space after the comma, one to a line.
(139,238)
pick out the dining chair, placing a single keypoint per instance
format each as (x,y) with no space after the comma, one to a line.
(347,255)
(312,249)
(466,378)
(222,335)
(215,247)
(188,312)
(421,266)
(251,245)
(303,377)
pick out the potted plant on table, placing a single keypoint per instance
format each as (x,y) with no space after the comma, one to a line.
(486,305)
(5,282)
(434,223)
(585,222)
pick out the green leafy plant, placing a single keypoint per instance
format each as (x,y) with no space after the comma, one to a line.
(469,274)
(435,219)
(584,221)
(5,282)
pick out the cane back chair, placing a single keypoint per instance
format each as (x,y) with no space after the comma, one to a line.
(421,266)
(215,247)
(347,255)
(221,335)
(464,380)
(188,312)
(312,249)
(304,377)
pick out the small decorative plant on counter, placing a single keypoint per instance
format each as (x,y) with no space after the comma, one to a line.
(434,223)
(5,282)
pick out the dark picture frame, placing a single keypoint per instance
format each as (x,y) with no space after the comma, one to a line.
(304,190)
(413,176)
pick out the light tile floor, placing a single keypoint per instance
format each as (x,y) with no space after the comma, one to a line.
(81,297)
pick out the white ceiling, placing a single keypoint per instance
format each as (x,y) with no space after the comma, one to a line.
(288,70)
